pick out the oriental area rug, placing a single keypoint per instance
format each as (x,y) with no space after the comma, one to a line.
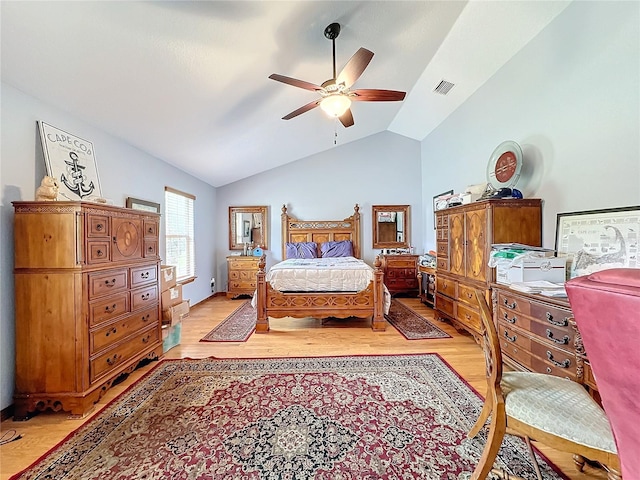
(237,327)
(329,418)
(411,324)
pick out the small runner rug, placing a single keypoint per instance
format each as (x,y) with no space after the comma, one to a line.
(325,418)
(237,327)
(411,324)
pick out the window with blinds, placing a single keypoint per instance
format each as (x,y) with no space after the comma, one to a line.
(179,236)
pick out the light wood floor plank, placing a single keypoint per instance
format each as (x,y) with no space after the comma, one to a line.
(287,338)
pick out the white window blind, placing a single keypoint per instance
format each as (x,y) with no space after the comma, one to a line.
(179,236)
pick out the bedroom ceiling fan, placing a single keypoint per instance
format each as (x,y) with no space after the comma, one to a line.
(336,94)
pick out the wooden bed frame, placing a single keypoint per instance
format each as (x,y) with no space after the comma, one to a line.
(364,304)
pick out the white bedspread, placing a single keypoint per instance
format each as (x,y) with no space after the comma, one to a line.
(339,274)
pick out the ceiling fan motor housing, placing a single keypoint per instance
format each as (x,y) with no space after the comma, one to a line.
(332,31)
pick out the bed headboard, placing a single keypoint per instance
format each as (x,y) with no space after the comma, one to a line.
(320,231)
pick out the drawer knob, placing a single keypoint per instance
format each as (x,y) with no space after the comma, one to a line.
(511,339)
(510,305)
(144,275)
(145,296)
(150,230)
(563,364)
(145,317)
(510,320)
(563,323)
(549,370)
(110,283)
(562,341)
(110,309)
(110,331)
(99,253)
(99,227)
(146,339)
(150,249)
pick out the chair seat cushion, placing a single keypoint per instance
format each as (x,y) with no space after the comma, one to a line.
(575,416)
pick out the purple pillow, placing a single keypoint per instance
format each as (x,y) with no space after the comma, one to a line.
(302,250)
(343,248)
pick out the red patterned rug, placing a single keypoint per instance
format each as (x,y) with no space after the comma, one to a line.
(237,327)
(411,324)
(350,418)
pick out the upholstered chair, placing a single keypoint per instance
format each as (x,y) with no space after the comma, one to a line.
(551,410)
(606,308)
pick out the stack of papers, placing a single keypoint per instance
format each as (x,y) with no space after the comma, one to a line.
(542,287)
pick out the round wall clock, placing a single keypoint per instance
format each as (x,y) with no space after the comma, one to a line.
(505,165)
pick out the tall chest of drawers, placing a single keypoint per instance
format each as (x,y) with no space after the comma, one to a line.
(86,301)
(464,235)
(538,334)
(241,272)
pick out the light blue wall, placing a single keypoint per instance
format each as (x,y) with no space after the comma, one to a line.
(124,171)
(378,170)
(571,99)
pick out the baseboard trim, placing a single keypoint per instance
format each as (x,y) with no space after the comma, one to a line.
(6,413)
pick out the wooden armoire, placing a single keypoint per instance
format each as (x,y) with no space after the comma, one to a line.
(86,301)
(464,235)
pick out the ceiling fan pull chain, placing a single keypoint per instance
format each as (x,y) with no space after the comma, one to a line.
(335,131)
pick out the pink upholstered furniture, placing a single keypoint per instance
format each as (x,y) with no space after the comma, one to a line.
(606,306)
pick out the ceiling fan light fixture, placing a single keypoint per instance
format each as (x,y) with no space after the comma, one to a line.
(335,105)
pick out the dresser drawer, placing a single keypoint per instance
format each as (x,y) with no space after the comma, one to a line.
(514,303)
(442,249)
(235,286)
(467,295)
(469,317)
(249,264)
(552,316)
(512,318)
(553,361)
(97,226)
(150,248)
(104,283)
(446,286)
(144,297)
(446,305)
(443,264)
(559,337)
(108,308)
(98,251)
(118,355)
(143,275)
(244,275)
(113,332)
(398,262)
(150,228)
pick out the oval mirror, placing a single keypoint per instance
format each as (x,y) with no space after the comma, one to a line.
(391,226)
(248,225)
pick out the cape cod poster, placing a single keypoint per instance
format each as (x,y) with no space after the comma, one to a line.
(71,161)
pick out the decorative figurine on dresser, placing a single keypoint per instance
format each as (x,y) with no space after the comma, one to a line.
(464,235)
(87,307)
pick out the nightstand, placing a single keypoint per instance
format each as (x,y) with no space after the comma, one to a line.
(427,277)
(400,273)
(241,274)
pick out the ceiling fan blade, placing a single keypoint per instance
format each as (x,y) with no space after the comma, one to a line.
(302,110)
(354,67)
(347,118)
(295,82)
(373,95)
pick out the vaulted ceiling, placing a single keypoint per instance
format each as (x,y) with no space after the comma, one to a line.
(188,82)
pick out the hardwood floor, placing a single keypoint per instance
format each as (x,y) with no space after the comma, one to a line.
(288,337)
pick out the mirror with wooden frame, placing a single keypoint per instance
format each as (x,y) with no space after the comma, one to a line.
(391,226)
(248,225)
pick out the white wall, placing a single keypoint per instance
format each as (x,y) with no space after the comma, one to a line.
(378,170)
(124,171)
(571,99)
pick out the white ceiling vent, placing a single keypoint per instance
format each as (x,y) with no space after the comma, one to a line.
(443,87)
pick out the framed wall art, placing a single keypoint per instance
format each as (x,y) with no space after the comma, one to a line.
(595,240)
(137,204)
(71,161)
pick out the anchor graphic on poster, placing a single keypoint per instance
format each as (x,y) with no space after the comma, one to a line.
(77,177)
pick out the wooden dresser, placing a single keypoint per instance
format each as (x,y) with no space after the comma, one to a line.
(400,273)
(464,235)
(241,272)
(86,293)
(537,333)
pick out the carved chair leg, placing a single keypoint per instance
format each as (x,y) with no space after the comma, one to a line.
(613,474)
(482,418)
(580,462)
(497,429)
